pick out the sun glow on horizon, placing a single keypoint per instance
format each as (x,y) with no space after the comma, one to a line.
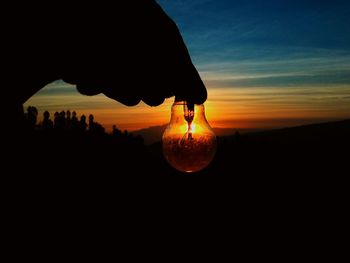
(225,108)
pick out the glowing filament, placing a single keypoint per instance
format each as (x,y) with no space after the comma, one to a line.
(189,144)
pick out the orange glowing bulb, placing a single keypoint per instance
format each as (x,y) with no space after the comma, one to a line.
(189,143)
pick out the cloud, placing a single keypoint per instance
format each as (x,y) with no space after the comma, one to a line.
(286,80)
(274,67)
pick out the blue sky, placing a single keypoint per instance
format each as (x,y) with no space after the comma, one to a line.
(266,43)
(265,64)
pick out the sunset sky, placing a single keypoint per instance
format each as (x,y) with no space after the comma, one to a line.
(265,64)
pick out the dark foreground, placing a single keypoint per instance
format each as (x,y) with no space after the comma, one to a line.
(313,157)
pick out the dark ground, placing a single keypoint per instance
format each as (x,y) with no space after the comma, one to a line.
(313,157)
(289,184)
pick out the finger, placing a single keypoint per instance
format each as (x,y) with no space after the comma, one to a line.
(192,88)
(153,101)
(197,93)
(127,99)
(157,90)
(185,80)
(88,89)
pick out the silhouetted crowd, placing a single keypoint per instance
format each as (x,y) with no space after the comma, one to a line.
(313,149)
(69,122)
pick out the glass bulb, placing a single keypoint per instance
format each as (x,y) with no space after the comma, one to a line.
(189,143)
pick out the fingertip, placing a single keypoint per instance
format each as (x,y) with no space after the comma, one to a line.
(124,99)
(154,101)
(130,102)
(200,91)
(196,95)
(88,89)
(201,96)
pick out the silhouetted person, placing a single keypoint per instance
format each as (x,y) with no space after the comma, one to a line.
(91,121)
(82,123)
(95,127)
(31,116)
(56,120)
(116,132)
(60,121)
(74,121)
(46,124)
(68,120)
(140,56)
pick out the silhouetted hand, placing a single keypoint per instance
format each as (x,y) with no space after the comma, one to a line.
(141,59)
(127,51)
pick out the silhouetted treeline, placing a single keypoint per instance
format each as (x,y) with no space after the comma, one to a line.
(66,150)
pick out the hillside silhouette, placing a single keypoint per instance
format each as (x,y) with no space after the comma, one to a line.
(299,152)
(154,133)
(70,156)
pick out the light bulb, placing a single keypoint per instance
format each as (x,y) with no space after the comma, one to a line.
(189,143)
